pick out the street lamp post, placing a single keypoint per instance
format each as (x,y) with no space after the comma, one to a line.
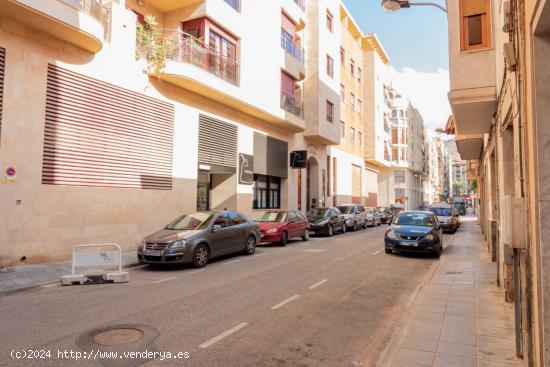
(395,5)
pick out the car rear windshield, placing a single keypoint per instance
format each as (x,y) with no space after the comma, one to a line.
(318,212)
(414,219)
(444,212)
(273,217)
(193,221)
(345,209)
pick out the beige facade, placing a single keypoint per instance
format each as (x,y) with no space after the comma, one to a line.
(114,190)
(511,124)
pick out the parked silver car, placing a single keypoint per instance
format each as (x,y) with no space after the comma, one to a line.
(196,238)
(354,215)
(373,217)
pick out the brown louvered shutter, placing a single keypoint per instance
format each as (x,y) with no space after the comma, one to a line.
(217,142)
(2,70)
(98,134)
(270,156)
(356,184)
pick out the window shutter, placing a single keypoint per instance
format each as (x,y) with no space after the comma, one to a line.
(473,7)
(270,156)
(2,68)
(217,142)
(98,134)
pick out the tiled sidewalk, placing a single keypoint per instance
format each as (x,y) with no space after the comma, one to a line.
(459,318)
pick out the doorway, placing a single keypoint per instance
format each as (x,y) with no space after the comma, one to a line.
(204,187)
(312,183)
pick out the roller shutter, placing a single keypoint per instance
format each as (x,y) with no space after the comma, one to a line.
(270,156)
(217,142)
(98,134)
(356,184)
(2,68)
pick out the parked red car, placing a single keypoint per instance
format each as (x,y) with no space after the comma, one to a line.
(282,225)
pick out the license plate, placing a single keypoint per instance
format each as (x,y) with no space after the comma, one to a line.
(153,252)
(262,236)
(311,232)
(409,244)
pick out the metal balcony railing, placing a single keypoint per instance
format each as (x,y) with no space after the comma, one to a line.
(301,4)
(291,47)
(235,4)
(292,104)
(182,47)
(90,7)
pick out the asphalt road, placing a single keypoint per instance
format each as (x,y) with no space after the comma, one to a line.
(327,302)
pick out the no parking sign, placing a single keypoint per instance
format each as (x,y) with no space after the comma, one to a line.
(10,173)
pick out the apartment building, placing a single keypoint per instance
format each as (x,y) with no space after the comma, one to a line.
(113,124)
(499,92)
(402,183)
(431,171)
(442,169)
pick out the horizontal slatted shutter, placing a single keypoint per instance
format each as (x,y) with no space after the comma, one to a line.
(2,70)
(217,142)
(474,7)
(270,156)
(98,134)
(356,184)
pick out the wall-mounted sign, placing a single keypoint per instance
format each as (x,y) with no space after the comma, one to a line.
(10,173)
(298,159)
(246,169)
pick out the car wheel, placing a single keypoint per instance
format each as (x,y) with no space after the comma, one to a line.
(305,237)
(354,226)
(330,230)
(344,228)
(388,251)
(284,239)
(201,256)
(438,252)
(250,245)
(365,225)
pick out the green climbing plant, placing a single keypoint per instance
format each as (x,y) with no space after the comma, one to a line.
(150,46)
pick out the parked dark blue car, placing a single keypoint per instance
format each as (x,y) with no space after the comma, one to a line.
(415,231)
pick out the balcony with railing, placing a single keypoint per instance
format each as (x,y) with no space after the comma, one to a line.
(82,23)
(292,104)
(291,47)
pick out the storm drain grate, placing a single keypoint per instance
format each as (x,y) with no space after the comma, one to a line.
(116,337)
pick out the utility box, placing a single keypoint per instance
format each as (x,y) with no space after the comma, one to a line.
(519,224)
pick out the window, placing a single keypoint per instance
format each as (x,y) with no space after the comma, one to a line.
(399,177)
(352,135)
(399,192)
(342,56)
(360,138)
(401,113)
(352,101)
(342,129)
(343,93)
(359,106)
(352,67)
(394,113)
(330,111)
(330,66)
(359,75)
(475,27)
(330,21)
(267,192)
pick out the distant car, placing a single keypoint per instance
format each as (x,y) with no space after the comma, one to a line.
(386,215)
(415,231)
(447,217)
(198,237)
(326,221)
(373,217)
(283,225)
(354,215)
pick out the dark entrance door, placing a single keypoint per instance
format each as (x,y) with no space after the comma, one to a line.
(204,186)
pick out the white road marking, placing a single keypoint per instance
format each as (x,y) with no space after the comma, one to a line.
(281,304)
(318,284)
(163,280)
(195,271)
(223,335)
(315,250)
(232,262)
(262,254)
(376,252)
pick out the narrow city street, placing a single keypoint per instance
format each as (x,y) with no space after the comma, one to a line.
(327,302)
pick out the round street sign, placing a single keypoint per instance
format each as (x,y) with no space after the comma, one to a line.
(10,173)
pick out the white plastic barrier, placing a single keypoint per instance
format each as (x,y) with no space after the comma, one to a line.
(97,264)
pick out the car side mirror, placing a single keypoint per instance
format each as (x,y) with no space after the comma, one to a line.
(216,227)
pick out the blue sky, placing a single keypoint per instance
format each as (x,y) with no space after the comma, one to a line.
(415,37)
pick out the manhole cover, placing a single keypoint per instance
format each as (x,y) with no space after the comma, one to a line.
(118,337)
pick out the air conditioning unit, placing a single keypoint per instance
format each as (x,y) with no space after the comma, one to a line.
(507,27)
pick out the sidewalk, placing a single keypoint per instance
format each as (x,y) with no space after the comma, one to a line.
(25,276)
(459,318)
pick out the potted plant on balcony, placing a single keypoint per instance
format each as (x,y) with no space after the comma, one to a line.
(151,45)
